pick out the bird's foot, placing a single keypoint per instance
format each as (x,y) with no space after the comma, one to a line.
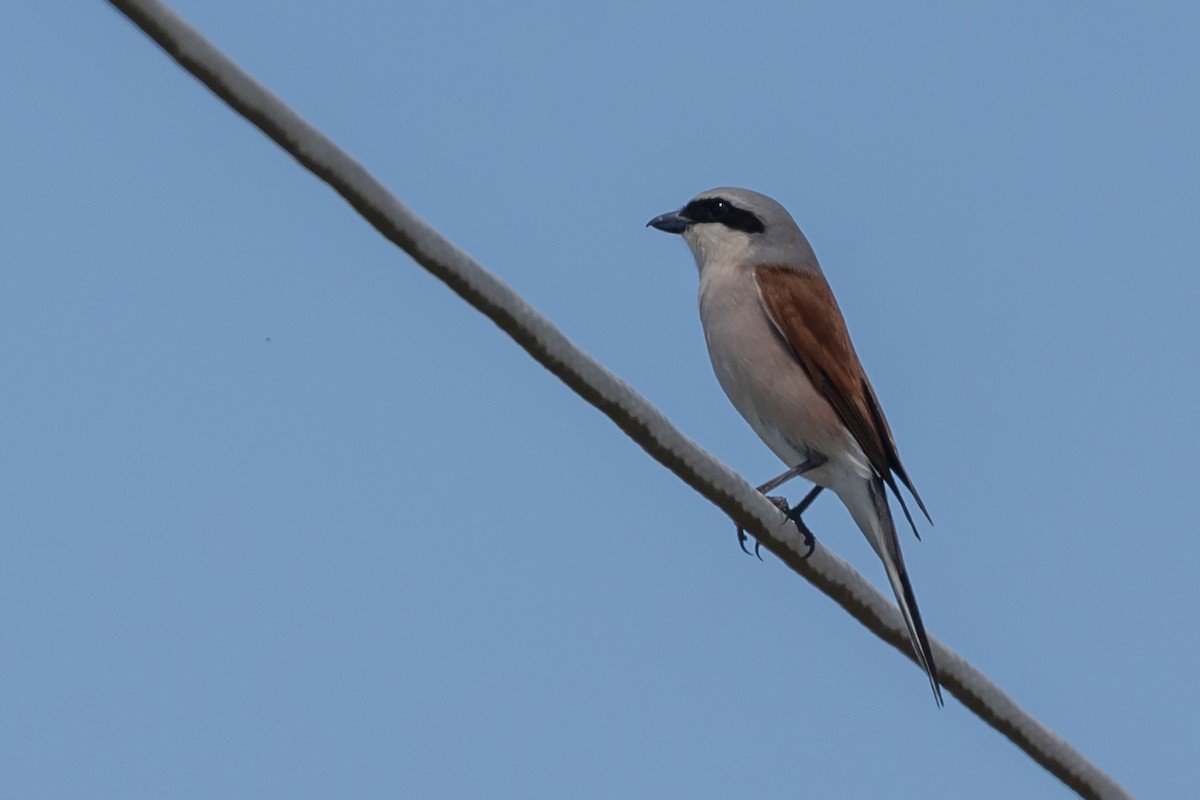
(793,514)
(810,541)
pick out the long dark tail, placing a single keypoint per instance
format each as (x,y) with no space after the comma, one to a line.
(888,547)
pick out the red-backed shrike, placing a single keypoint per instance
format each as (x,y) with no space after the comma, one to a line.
(781,351)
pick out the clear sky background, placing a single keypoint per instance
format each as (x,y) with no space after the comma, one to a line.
(280,516)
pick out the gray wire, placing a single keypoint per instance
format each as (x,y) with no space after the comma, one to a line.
(641,421)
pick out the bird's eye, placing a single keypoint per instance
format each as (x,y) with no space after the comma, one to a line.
(718,209)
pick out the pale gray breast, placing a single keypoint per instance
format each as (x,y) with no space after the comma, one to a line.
(760,375)
(745,354)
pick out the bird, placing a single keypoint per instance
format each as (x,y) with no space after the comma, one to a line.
(782,353)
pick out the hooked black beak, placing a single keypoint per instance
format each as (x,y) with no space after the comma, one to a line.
(674,222)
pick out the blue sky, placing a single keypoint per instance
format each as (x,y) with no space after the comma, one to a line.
(283,517)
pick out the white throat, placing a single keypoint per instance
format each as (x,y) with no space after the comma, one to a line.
(717,244)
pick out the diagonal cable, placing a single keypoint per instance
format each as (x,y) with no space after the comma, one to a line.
(641,421)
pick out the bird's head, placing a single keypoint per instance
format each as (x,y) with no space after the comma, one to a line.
(737,226)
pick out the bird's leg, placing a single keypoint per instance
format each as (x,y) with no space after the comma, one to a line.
(794,515)
(782,504)
(794,472)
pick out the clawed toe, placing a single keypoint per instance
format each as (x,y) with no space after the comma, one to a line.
(810,541)
(742,537)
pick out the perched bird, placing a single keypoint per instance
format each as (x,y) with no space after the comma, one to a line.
(781,351)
